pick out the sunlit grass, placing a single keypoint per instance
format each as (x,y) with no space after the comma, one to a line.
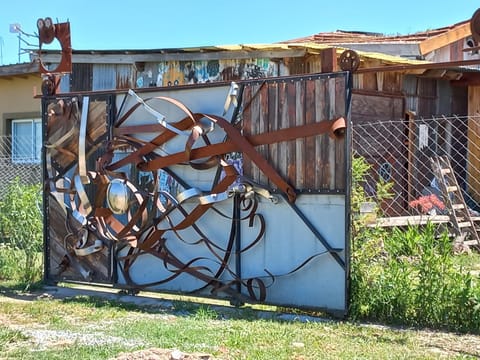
(215,330)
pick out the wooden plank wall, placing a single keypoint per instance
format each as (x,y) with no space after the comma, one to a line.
(315,163)
(473,156)
(378,137)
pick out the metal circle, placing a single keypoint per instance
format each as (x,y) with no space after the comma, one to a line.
(117,196)
(475,26)
(349,60)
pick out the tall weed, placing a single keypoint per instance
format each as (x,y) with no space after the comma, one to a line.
(409,277)
(21,233)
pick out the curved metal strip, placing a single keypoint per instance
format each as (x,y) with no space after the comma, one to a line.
(82,137)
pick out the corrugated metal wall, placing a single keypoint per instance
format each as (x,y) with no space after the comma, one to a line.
(113,76)
(81,77)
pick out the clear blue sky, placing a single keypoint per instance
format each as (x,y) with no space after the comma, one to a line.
(154,24)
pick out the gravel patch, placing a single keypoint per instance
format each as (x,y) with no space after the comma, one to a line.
(44,339)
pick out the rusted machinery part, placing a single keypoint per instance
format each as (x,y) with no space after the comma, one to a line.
(349,60)
(49,85)
(48,31)
(475,26)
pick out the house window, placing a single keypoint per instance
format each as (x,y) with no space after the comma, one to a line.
(26,140)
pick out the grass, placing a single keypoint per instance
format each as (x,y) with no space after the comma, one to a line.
(96,328)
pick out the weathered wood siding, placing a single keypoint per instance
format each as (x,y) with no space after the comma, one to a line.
(473,169)
(309,164)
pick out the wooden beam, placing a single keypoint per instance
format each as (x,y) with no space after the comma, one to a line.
(414,220)
(468,79)
(410,68)
(438,41)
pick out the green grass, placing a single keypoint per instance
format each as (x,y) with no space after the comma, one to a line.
(223,332)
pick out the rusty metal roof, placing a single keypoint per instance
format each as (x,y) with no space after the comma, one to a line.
(355,37)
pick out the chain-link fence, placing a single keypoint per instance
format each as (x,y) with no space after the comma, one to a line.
(401,152)
(19,157)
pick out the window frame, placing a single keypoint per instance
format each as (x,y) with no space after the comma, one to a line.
(35,155)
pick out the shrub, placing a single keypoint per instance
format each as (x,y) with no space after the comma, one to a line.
(409,277)
(21,233)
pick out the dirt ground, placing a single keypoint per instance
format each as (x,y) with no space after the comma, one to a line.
(162,354)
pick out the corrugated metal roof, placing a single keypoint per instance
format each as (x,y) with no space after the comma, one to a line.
(19,69)
(308,47)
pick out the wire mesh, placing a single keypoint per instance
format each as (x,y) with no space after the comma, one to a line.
(18,158)
(400,152)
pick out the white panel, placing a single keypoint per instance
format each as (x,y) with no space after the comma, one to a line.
(289,243)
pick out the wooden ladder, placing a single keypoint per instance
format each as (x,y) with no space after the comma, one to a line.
(455,203)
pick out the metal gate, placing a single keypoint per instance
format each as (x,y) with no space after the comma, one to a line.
(236,191)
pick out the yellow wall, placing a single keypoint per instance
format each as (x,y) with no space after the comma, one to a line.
(17,99)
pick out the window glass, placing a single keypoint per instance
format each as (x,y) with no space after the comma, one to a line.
(26,140)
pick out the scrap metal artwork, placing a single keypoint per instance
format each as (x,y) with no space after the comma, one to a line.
(47,33)
(131,189)
(349,60)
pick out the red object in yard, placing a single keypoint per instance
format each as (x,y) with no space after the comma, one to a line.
(426,203)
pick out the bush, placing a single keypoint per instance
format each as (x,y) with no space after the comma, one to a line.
(409,277)
(21,233)
(412,279)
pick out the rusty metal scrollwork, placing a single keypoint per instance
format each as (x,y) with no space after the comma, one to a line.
(143,219)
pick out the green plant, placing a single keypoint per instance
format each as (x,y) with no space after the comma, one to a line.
(409,276)
(205,313)
(21,232)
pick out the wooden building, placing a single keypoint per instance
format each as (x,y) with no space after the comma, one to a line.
(421,74)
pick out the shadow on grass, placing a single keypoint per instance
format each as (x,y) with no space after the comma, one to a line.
(18,289)
(175,304)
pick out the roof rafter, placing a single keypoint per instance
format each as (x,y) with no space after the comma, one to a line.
(438,41)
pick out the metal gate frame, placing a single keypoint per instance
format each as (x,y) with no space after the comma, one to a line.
(92,236)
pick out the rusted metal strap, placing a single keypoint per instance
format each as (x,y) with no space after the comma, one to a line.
(198,211)
(166,135)
(255,140)
(237,142)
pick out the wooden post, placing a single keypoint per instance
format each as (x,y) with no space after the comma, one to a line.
(410,118)
(328,60)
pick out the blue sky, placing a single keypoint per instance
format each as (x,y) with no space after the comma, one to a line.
(149,24)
